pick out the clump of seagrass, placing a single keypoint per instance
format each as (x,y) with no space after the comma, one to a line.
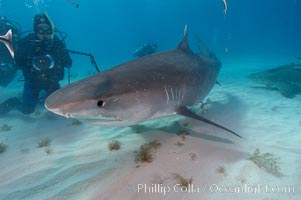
(48,150)
(154,144)
(192,156)
(182,134)
(267,161)
(221,170)
(145,152)
(3,147)
(44,143)
(114,145)
(184,182)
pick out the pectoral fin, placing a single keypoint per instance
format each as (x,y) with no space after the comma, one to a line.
(186,112)
(288,90)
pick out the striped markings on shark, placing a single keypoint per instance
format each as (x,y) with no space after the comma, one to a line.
(286,79)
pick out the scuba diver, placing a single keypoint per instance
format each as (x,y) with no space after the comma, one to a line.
(10,32)
(42,57)
(146,49)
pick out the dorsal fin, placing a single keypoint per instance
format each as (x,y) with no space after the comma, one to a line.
(184,43)
(203,49)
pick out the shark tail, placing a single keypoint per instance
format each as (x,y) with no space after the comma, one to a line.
(7,41)
(186,112)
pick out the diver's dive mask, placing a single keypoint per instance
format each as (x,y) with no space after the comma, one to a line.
(44,32)
(41,63)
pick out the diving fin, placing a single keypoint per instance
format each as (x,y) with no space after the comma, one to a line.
(7,40)
(186,112)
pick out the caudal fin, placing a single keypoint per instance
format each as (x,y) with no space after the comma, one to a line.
(7,41)
(186,112)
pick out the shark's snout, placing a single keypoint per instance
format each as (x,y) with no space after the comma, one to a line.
(257,78)
(59,112)
(56,108)
(60,103)
(54,102)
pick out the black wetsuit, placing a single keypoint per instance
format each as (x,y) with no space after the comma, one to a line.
(42,64)
(7,66)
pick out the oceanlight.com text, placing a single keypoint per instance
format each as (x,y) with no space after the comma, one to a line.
(251,189)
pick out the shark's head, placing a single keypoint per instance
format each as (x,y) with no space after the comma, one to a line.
(96,100)
(274,75)
(265,77)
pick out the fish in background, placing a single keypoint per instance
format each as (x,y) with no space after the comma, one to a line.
(150,87)
(73,3)
(145,50)
(225,7)
(286,79)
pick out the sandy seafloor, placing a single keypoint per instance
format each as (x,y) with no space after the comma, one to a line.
(80,165)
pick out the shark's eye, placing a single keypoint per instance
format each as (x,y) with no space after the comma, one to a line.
(100,103)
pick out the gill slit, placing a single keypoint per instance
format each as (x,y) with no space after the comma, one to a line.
(167,95)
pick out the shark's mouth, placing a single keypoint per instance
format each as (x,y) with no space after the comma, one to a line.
(84,118)
(98,120)
(105,122)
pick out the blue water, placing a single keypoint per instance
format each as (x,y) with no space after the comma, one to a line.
(111,30)
(252,34)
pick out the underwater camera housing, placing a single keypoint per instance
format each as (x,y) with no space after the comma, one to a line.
(41,63)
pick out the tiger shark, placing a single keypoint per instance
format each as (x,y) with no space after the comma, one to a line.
(7,41)
(150,87)
(286,79)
